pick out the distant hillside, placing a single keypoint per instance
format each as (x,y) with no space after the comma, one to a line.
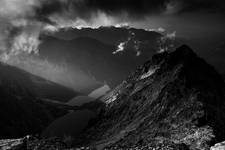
(21,83)
(102,34)
(22,110)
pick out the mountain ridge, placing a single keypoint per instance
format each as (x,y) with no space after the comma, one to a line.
(39,86)
(174,101)
(180,102)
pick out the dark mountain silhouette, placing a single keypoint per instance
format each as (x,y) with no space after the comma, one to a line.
(175,100)
(23,109)
(211,49)
(109,35)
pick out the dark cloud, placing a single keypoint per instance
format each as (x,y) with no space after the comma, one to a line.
(154,6)
(133,9)
(49,7)
(129,6)
(32,17)
(201,5)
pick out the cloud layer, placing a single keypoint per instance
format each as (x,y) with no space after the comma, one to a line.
(22,21)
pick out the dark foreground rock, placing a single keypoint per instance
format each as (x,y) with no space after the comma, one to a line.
(32,143)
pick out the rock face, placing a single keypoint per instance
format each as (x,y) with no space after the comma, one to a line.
(218,146)
(174,99)
(32,143)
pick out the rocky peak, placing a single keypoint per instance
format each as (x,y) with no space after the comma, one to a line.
(174,98)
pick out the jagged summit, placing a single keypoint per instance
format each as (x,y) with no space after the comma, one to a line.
(174,99)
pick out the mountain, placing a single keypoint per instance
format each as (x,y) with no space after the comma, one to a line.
(90,54)
(211,49)
(173,101)
(117,34)
(23,106)
(21,83)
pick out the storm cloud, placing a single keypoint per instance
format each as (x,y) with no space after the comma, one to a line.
(132,8)
(22,21)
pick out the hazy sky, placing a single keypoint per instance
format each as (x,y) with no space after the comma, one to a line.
(22,21)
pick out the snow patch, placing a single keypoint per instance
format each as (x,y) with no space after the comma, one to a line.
(130,42)
(100,91)
(149,73)
(120,48)
(112,99)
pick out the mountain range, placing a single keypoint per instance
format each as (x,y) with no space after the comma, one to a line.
(173,101)
(89,53)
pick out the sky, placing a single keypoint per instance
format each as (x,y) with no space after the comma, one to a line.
(23,21)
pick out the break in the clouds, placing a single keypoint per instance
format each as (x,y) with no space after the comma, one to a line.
(22,21)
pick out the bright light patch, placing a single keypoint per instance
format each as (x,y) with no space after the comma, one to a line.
(112,99)
(120,48)
(149,73)
(25,43)
(138,53)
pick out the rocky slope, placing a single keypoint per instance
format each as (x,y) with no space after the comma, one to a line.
(174,99)
(32,143)
(173,102)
